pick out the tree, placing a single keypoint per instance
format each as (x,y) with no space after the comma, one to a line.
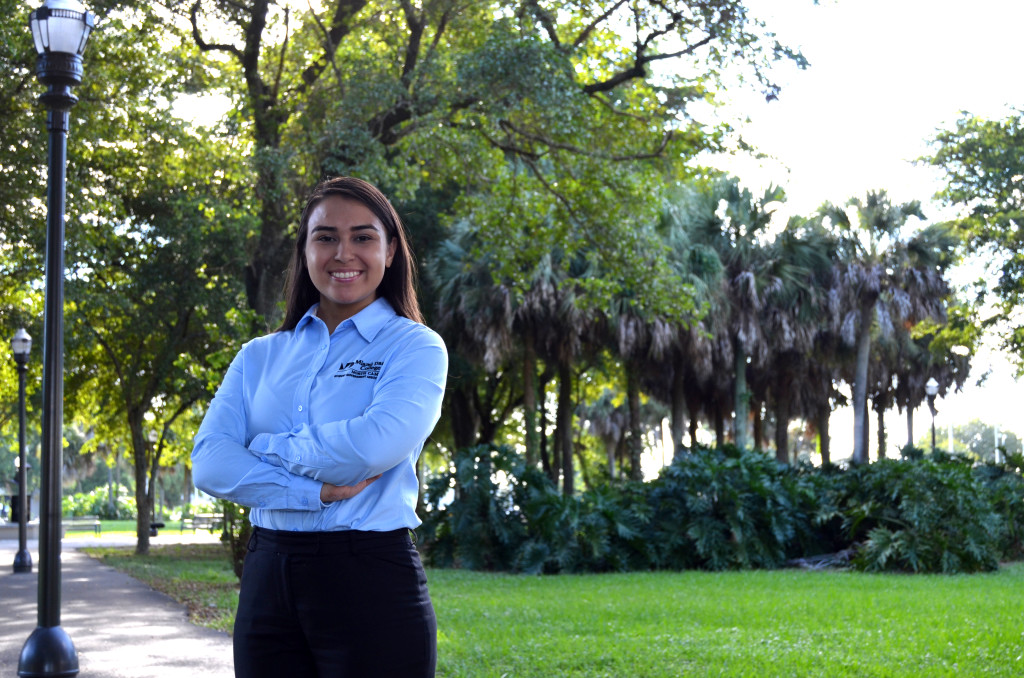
(983,163)
(795,320)
(534,101)
(885,277)
(152,261)
(729,221)
(979,440)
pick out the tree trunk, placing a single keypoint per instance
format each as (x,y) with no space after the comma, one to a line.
(860,386)
(693,403)
(757,441)
(530,399)
(867,434)
(143,506)
(782,413)
(266,270)
(719,426)
(563,426)
(824,439)
(910,426)
(678,424)
(635,435)
(610,444)
(465,420)
(548,462)
(741,406)
(881,434)
(187,489)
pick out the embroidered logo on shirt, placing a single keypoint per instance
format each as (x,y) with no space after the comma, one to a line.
(360,369)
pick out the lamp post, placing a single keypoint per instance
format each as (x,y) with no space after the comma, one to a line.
(932,390)
(60,29)
(21,344)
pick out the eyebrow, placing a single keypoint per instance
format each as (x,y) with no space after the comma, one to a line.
(360,227)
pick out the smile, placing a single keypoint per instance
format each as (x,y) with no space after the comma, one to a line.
(345,275)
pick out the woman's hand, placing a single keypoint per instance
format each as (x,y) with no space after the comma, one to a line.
(329,493)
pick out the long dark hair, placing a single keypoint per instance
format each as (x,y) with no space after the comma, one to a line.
(399,283)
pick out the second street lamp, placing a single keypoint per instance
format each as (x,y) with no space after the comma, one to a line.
(60,29)
(931,389)
(21,345)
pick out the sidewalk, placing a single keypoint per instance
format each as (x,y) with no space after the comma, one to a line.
(121,628)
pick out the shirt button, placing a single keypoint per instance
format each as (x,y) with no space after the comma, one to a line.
(300,408)
(262,504)
(305,502)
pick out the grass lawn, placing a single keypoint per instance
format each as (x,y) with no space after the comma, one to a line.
(664,624)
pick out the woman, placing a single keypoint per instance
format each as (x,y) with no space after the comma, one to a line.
(318,427)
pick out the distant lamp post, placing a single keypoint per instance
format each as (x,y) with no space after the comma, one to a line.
(60,29)
(932,390)
(21,345)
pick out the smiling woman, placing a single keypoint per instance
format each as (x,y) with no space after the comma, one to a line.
(318,427)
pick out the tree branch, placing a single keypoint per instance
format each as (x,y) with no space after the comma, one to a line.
(585,33)
(202,44)
(546,22)
(412,49)
(340,27)
(329,47)
(551,143)
(550,189)
(638,69)
(284,48)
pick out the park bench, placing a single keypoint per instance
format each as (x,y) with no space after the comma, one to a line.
(82,523)
(201,521)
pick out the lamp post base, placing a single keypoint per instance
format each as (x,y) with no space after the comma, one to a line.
(48,652)
(22,562)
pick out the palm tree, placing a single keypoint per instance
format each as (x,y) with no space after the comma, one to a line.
(554,326)
(734,224)
(474,315)
(884,279)
(795,314)
(688,370)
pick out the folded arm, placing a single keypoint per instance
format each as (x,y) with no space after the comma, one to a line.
(405,407)
(223,467)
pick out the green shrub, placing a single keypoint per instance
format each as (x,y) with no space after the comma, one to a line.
(477,520)
(725,508)
(97,503)
(236,532)
(599,530)
(1005,487)
(920,515)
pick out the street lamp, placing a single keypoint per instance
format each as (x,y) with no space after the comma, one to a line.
(60,29)
(932,390)
(21,344)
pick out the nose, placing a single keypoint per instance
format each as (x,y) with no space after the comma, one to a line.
(340,252)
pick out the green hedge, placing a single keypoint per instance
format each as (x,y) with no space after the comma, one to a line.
(97,503)
(719,509)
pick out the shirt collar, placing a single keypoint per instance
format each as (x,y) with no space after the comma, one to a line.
(368,322)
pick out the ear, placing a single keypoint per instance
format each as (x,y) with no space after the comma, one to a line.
(392,246)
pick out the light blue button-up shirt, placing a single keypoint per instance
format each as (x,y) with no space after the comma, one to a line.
(300,408)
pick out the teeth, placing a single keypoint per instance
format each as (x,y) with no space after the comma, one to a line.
(347,275)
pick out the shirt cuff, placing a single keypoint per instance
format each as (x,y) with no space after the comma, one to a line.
(260,443)
(304,495)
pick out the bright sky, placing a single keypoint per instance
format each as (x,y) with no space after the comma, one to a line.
(884,76)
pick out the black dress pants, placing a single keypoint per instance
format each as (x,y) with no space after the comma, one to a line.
(334,605)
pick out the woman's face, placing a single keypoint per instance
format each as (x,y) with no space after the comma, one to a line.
(347,251)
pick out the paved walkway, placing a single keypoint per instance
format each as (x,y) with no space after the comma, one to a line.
(121,628)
